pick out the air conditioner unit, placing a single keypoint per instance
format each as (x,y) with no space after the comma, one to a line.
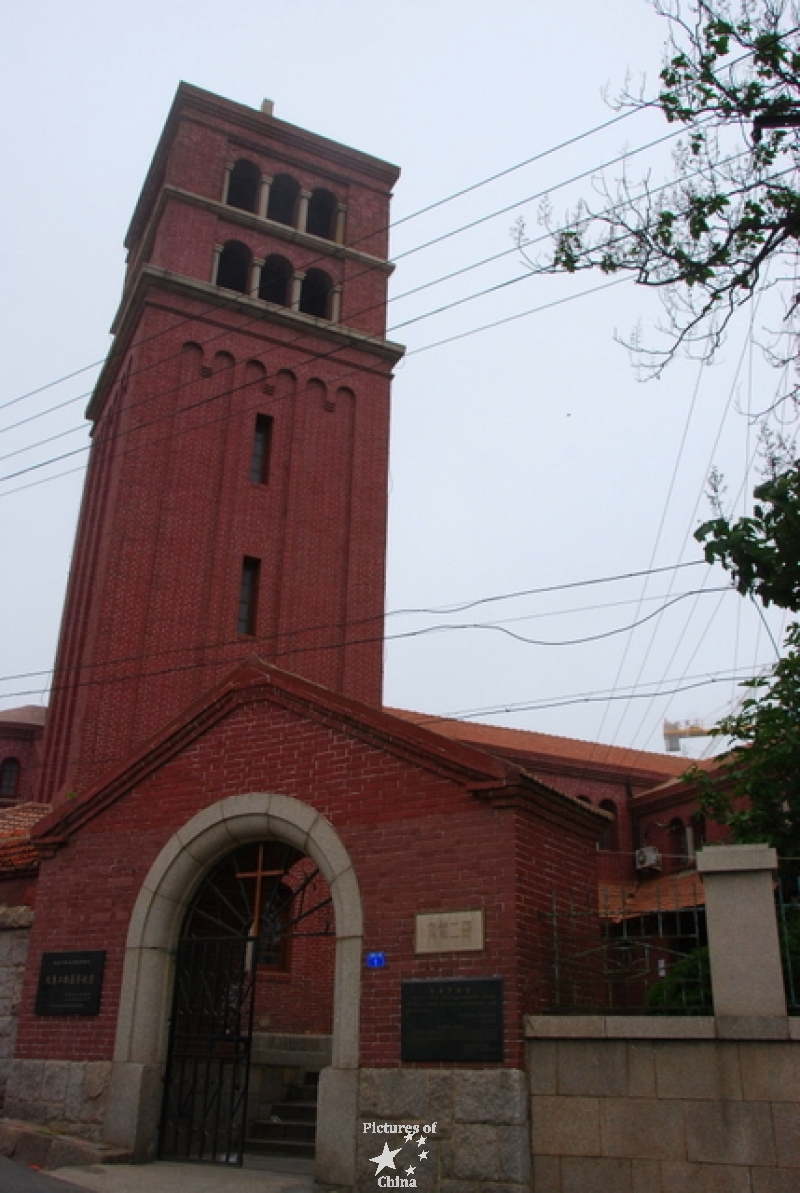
(648,858)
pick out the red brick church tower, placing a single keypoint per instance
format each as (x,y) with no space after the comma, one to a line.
(235,502)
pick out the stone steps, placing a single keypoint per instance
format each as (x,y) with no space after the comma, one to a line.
(292,1125)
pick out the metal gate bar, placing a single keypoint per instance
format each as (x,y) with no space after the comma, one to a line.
(205,1102)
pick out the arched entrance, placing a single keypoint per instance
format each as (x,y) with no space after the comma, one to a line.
(254,953)
(159,914)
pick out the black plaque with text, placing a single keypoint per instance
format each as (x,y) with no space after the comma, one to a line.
(454,1019)
(70,983)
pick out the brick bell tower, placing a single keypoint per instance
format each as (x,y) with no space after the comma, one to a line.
(235,501)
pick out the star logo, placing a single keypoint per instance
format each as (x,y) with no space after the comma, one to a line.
(385,1159)
(410,1169)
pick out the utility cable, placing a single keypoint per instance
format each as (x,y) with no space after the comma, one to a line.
(431,611)
(386,228)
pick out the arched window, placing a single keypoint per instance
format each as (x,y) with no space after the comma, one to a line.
(283,195)
(243,185)
(276,281)
(609,839)
(233,272)
(321,214)
(315,296)
(9,778)
(678,845)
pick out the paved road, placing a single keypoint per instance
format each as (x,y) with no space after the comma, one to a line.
(14,1178)
(161,1177)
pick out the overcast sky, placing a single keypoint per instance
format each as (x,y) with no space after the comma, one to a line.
(525,456)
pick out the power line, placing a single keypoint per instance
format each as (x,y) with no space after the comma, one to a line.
(333,352)
(235,389)
(372,234)
(434,611)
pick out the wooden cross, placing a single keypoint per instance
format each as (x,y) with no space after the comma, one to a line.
(259,874)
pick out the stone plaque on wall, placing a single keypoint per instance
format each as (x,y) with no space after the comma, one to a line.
(448,931)
(70,983)
(452,1019)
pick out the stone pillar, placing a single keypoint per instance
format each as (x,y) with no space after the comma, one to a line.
(302,210)
(226,181)
(215,264)
(297,288)
(263,196)
(338,230)
(746,970)
(255,276)
(336,304)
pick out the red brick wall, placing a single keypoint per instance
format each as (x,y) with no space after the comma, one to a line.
(169,510)
(418,841)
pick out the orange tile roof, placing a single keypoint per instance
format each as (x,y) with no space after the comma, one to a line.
(525,741)
(675,892)
(19,819)
(18,855)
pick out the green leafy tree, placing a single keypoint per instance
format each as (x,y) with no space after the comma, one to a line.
(755,790)
(726,226)
(762,551)
(731,77)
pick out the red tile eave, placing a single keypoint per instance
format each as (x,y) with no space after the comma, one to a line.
(17,820)
(674,892)
(553,753)
(672,792)
(18,859)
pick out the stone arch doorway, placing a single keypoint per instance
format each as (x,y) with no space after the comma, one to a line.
(149,970)
(252,1009)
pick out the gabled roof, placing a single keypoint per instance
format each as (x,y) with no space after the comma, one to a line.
(481,772)
(527,747)
(26,714)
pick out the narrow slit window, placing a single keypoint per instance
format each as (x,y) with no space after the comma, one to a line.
(262,449)
(248,595)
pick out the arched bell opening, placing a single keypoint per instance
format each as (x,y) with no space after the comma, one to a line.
(253,991)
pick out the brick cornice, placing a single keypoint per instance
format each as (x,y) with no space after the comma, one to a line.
(256,223)
(194,100)
(150,279)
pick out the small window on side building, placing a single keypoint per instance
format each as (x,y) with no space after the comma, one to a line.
(262,450)
(9,778)
(248,595)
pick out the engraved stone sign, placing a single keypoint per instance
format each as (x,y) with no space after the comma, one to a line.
(70,983)
(452,1019)
(448,931)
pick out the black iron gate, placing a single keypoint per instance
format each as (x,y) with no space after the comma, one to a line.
(243,918)
(205,1103)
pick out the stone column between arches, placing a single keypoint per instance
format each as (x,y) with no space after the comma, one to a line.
(148,973)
